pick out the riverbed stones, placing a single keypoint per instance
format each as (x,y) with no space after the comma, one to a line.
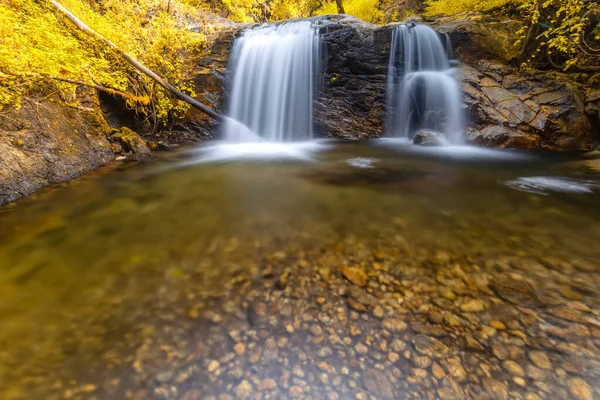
(498,325)
(360,296)
(422,346)
(316,330)
(267,384)
(437,371)
(378,312)
(456,369)
(360,348)
(566,313)
(421,361)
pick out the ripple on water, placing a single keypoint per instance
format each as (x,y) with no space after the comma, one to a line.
(544,184)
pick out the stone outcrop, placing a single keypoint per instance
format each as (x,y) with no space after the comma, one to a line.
(525,110)
(47,141)
(350,103)
(52,139)
(210,80)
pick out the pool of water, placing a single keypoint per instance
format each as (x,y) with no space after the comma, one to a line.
(135,271)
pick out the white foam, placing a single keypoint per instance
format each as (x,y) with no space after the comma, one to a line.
(453,151)
(261,150)
(362,162)
(543,184)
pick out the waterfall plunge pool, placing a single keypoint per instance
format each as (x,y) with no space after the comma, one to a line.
(138,274)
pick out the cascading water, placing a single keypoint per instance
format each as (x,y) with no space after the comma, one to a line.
(274,68)
(422,91)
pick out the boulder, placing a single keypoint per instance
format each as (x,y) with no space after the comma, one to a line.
(425,138)
(129,141)
(523,110)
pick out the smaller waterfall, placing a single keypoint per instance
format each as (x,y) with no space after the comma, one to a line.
(422,91)
(274,69)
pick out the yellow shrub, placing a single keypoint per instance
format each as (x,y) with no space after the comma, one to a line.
(367,10)
(36,43)
(449,7)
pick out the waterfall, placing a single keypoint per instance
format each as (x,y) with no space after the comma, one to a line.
(274,70)
(422,90)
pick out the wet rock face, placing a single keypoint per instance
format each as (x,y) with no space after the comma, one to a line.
(47,142)
(510,109)
(210,83)
(351,101)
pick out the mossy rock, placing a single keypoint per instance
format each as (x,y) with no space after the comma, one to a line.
(129,141)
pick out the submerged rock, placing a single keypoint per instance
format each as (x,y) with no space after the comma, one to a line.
(429,139)
(378,384)
(356,275)
(517,292)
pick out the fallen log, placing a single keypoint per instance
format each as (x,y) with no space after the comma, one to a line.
(137,65)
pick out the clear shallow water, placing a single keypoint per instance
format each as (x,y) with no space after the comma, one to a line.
(89,268)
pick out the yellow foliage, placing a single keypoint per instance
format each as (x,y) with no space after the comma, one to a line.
(563,23)
(235,10)
(449,7)
(558,25)
(37,43)
(286,9)
(367,10)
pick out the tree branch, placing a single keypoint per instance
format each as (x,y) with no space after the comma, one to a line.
(136,64)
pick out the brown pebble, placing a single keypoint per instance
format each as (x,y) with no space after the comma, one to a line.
(267,384)
(498,325)
(437,371)
(296,391)
(356,306)
(356,275)
(239,349)
(580,389)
